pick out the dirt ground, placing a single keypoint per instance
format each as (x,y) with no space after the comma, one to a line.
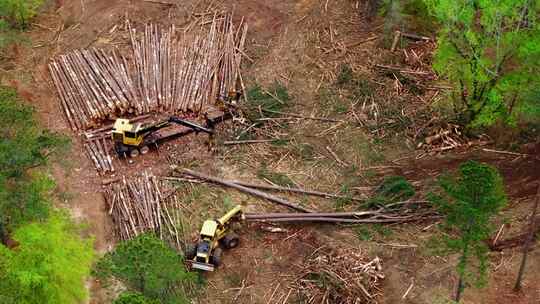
(289,42)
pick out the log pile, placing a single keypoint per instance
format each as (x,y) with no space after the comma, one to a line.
(340,276)
(164,70)
(92,85)
(98,150)
(144,204)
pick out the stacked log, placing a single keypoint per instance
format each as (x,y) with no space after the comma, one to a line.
(92,85)
(142,204)
(165,70)
(98,151)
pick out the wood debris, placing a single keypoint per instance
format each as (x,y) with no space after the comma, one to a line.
(164,70)
(443,138)
(346,276)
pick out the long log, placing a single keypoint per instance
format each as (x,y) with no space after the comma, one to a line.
(341,220)
(251,191)
(297,190)
(285,189)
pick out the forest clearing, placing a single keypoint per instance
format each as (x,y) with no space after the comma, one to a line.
(303,151)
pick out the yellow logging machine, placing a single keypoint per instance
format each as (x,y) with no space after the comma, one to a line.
(206,253)
(137,138)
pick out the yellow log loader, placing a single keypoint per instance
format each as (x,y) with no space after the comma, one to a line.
(205,254)
(137,138)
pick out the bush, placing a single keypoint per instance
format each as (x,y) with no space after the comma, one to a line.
(147,265)
(133,298)
(261,99)
(391,190)
(19,12)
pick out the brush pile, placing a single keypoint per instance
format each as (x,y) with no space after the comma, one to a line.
(144,204)
(344,276)
(164,70)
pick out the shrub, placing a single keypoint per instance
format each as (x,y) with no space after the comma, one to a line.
(133,298)
(19,12)
(391,190)
(274,99)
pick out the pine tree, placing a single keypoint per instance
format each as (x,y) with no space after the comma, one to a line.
(468,200)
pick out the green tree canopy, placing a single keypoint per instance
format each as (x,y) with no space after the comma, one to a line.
(18,12)
(23,147)
(468,200)
(146,264)
(133,298)
(49,264)
(490,51)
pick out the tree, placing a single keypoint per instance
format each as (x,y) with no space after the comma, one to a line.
(490,52)
(133,298)
(468,200)
(24,147)
(49,264)
(149,266)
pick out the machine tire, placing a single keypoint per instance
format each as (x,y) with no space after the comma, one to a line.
(145,150)
(134,153)
(231,240)
(216,257)
(190,251)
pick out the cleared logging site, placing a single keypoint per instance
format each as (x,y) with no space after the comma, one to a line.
(310,135)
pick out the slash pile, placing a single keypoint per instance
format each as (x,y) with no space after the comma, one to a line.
(144,204)
(164,70)
(340,276)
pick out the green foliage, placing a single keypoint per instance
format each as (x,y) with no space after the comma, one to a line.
(405,15)
(363,233)
(391,190)
(19,12)
(149,266)
(7,36)
(49,265)
(275,98)
(490,52)
(275,177)
(345,75)
(23,192)
(133,298)
(468,200)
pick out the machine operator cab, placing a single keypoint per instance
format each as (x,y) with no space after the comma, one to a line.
(126,133)
(204,259)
